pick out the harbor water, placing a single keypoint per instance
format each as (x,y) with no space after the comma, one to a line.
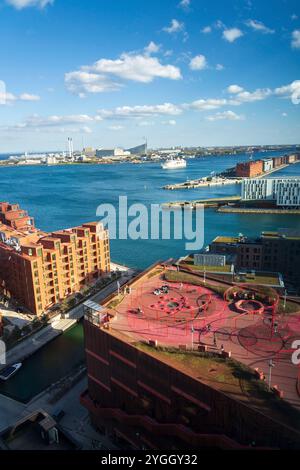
(65,196)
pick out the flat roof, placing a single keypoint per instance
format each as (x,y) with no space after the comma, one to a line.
(224,239)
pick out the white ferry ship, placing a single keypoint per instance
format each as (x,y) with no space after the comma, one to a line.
(174,163)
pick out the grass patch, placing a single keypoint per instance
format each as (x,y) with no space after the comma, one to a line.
(174,276)
(290,307)
(230,377)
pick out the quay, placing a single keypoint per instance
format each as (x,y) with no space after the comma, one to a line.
(257,210)
(222,179)
(207,203)
(203,183)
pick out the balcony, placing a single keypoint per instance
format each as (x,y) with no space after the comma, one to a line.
(177,430)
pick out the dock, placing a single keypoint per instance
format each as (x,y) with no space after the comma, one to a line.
(207,203)
(220,180)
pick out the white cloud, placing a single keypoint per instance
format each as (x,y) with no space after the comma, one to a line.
(296,39)
(54,123)
(101,76)
(80,83)
(29,97)
(198,62)
(185,4)
(20,4)
(205,105)
(294,17)
(171,122)
(206,30)
(146,123)
(291,91)
(284,114)
(140,111)
(220,67)
(152,48)
(244,96)
(115,128)
(175,27)
(7,98)
(259,26)
(226,115)
(232,34)
(234,89)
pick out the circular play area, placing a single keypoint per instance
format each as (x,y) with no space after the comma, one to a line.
(250,306)
(251,299)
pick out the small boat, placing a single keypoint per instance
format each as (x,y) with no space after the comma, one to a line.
(8,372)
(174,163)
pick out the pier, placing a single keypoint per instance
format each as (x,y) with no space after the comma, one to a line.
(207,203)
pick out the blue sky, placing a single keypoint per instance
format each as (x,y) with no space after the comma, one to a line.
(108,73)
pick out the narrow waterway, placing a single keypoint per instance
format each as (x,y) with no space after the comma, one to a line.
(54,361)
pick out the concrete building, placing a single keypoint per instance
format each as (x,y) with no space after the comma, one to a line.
(40,269)
(267,164)
(285,192)
(249,169)
(207,259)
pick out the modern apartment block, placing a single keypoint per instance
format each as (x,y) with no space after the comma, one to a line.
(284,192)
(40,269)
(272,251)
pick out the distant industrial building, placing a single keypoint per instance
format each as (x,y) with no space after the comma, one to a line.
(285,192)
(116,152)
(138,150)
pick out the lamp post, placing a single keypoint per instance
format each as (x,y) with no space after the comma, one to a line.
(192,331)
(284,301)
(271,365)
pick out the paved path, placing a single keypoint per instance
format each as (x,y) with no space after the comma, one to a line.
(32,344)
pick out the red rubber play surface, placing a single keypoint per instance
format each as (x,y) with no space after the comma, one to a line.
(192,315)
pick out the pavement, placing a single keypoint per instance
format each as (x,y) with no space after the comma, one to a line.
(34,342)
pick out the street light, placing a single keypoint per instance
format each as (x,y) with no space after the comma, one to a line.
(192,331)
(271,365)
(284,301)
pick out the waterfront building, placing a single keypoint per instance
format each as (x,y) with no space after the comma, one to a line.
(284,192)
(147,383)
(249,169)
(40,269)
(267,164)
(272,251)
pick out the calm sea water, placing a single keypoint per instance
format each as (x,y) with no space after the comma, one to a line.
(65,196)
(61,197)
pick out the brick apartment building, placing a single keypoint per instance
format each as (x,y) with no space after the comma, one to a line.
(249,169)
(272,251)
(149,400)
(40,269)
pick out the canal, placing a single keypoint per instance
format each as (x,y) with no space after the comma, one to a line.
(51,363)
